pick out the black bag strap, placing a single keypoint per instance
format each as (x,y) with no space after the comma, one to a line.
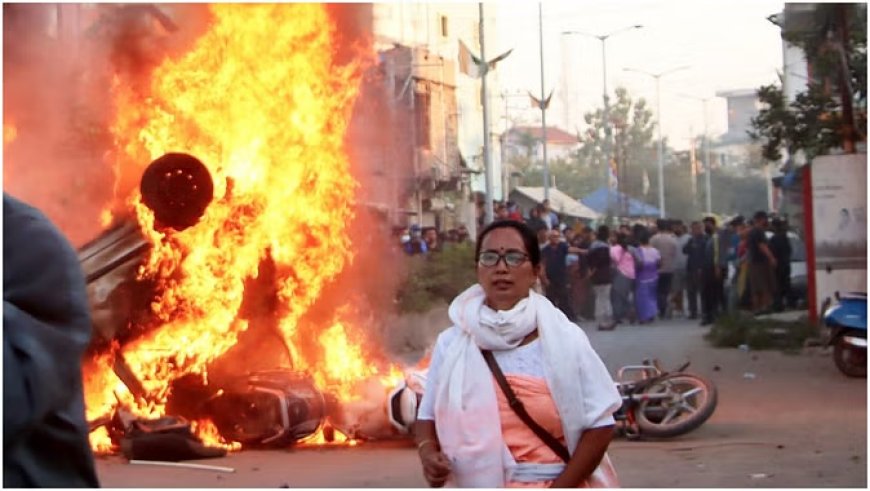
(517,406)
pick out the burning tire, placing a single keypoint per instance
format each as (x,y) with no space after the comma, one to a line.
(177,187)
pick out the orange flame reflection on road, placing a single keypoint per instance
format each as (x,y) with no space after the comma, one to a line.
(261,102)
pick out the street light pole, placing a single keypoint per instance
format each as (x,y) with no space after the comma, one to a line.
(487,207)
(543,105)
(661,153)
(708,164)
(661,163)
(606,116)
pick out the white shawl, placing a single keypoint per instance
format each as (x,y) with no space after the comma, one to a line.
(466,408)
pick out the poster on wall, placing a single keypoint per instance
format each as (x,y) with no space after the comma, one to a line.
(839,187)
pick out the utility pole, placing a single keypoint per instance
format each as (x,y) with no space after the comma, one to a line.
(661,163)
(708,164)
(487,161)
(606,117)
(543,105)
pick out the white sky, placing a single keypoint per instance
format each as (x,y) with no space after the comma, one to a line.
(728,44)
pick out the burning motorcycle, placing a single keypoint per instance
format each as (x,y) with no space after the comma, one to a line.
(655,403)
(847,332)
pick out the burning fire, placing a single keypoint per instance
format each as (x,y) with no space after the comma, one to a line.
(10,133)
(260,100)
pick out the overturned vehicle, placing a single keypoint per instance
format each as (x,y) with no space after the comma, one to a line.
(246,402)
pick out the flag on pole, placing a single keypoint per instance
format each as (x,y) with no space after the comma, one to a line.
(468,63)
(613,178)
(539,104)
(475,67)
(645,182)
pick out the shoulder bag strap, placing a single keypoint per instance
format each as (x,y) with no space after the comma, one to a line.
(520,410)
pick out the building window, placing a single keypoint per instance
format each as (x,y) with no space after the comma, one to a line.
(421,112)
(444,26)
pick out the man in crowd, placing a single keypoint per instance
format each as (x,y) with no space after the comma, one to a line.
(781,249)
(535,222)
(678,284)
(430,236)
(601,278)
(761,264)
(713,272)
(556,282)
(414,244)
(694,251)
(46,328)
(666,243)
(549,216)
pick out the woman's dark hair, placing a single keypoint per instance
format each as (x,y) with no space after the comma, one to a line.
(622,240)
(603,233)
(530,239)
(643,237)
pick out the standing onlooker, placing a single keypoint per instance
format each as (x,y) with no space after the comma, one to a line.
(623,279)
(514,212)
(781,249)
(761,264)
(647,277)
(501,211)
(462,234)
(430,236)
(712,274)
(554,256)
(549,216)
(415,243)
(600,277)
(736,252)
(694,250)
(535,222)
(678,283)
(585,297)
(46,328)
(665,242)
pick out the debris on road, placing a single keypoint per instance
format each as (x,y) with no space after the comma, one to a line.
(748,375)
(185,465)
(760,475)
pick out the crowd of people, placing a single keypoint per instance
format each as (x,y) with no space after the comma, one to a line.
(638,273)
(643,272)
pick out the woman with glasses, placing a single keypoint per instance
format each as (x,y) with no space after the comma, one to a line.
(507,339)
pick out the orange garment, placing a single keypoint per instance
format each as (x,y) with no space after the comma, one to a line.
(524,445)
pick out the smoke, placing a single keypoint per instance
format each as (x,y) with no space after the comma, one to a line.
(59,63)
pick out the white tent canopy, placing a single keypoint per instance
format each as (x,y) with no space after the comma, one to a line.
(560,202)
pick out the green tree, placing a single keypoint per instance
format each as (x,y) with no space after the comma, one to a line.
(831,113)
(633,149)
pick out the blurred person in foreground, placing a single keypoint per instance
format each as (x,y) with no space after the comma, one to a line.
(466,431)
(46,328)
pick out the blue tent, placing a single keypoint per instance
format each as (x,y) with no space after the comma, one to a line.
(597,201)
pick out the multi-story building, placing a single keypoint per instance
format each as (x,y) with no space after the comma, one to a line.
(447,163)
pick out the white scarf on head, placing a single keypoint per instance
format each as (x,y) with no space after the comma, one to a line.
(466,408)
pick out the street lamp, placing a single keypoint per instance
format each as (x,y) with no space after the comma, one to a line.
(661,173)
(707,162)
(603,38)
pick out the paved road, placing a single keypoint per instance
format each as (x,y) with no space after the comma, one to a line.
(794,422)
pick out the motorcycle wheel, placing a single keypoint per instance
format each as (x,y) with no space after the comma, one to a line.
(692,400)
(851,360)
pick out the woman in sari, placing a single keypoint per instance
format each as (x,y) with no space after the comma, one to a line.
(466,432)
(646,280)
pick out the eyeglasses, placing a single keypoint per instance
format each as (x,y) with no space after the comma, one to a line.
(512,259)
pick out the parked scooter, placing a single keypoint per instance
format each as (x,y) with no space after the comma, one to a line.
(847,332)
(655,403)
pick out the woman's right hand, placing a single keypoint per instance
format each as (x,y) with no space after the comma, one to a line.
(436,467)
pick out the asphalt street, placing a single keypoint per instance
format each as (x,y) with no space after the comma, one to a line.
(783,420)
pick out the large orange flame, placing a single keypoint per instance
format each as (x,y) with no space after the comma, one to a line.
(260,100)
